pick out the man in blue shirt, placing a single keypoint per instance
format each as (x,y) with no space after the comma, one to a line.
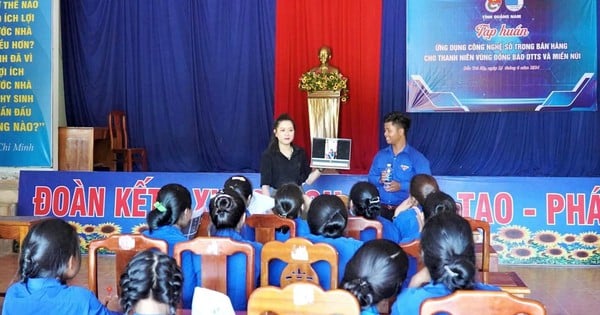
(406,162)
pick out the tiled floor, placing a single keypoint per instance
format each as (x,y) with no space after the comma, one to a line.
(564,290)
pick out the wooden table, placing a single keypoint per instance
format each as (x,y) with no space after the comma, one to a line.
(507,281)
(16,227)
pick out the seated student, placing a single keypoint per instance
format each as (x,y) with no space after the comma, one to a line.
(151,285)
(374,273)
(327,218)
(241,185)
(289,202)
(365,202)
(449,256)
(227,213)
(421,185)
(408,217)
(438,202)
(171,214)
(49,258)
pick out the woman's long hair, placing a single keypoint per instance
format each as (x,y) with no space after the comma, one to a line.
(449,251)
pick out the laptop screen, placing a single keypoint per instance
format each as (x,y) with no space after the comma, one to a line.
(331,153)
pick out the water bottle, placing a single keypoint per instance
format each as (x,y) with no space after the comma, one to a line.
(387,178)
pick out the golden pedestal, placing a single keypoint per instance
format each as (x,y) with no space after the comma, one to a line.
(323,113)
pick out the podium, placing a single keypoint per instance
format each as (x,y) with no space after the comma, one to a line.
(80,148)
(323,113)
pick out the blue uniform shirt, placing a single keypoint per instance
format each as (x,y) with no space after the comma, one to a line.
(407,225)
(370,310)
(409,300)
(301,230)
(405,165)
(389,231)
(47,296)
(189,268)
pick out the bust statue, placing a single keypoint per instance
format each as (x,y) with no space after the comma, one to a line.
(325,67)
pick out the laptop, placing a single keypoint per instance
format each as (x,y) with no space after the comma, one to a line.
(332,153)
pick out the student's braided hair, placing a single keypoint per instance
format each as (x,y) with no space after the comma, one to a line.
(47,249)
(151,274)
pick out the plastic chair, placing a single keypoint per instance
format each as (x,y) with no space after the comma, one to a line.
(122,153)
(302,298)
(125,247)
(483,228)
(482,302)
(357,224)
(264,226)
(214,252)
(299,253)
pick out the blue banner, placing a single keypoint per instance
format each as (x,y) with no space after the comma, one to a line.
(534,220)
(25,83)
(501,55)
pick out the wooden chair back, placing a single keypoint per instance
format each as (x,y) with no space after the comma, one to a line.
(204,225)
(482,302)
(299,253)
(413,249)
(214,252)
(265,225)
(119,143)
(302,298)
(125,247)
(483,228)
(357,224)
(117,126)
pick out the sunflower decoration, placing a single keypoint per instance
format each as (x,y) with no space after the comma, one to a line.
(513,234)
(88,229)
(546,238)
(582,254)
(313,81)
(84,244)
(78,227)
(522,252)
(499,248)
(108,228)
(589,239)
(139,228)
(555,252)
(569,238)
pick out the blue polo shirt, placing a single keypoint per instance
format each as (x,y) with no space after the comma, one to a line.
(47,296)
(405,165)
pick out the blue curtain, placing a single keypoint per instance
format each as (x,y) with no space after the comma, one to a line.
(487,144)
(194,77)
